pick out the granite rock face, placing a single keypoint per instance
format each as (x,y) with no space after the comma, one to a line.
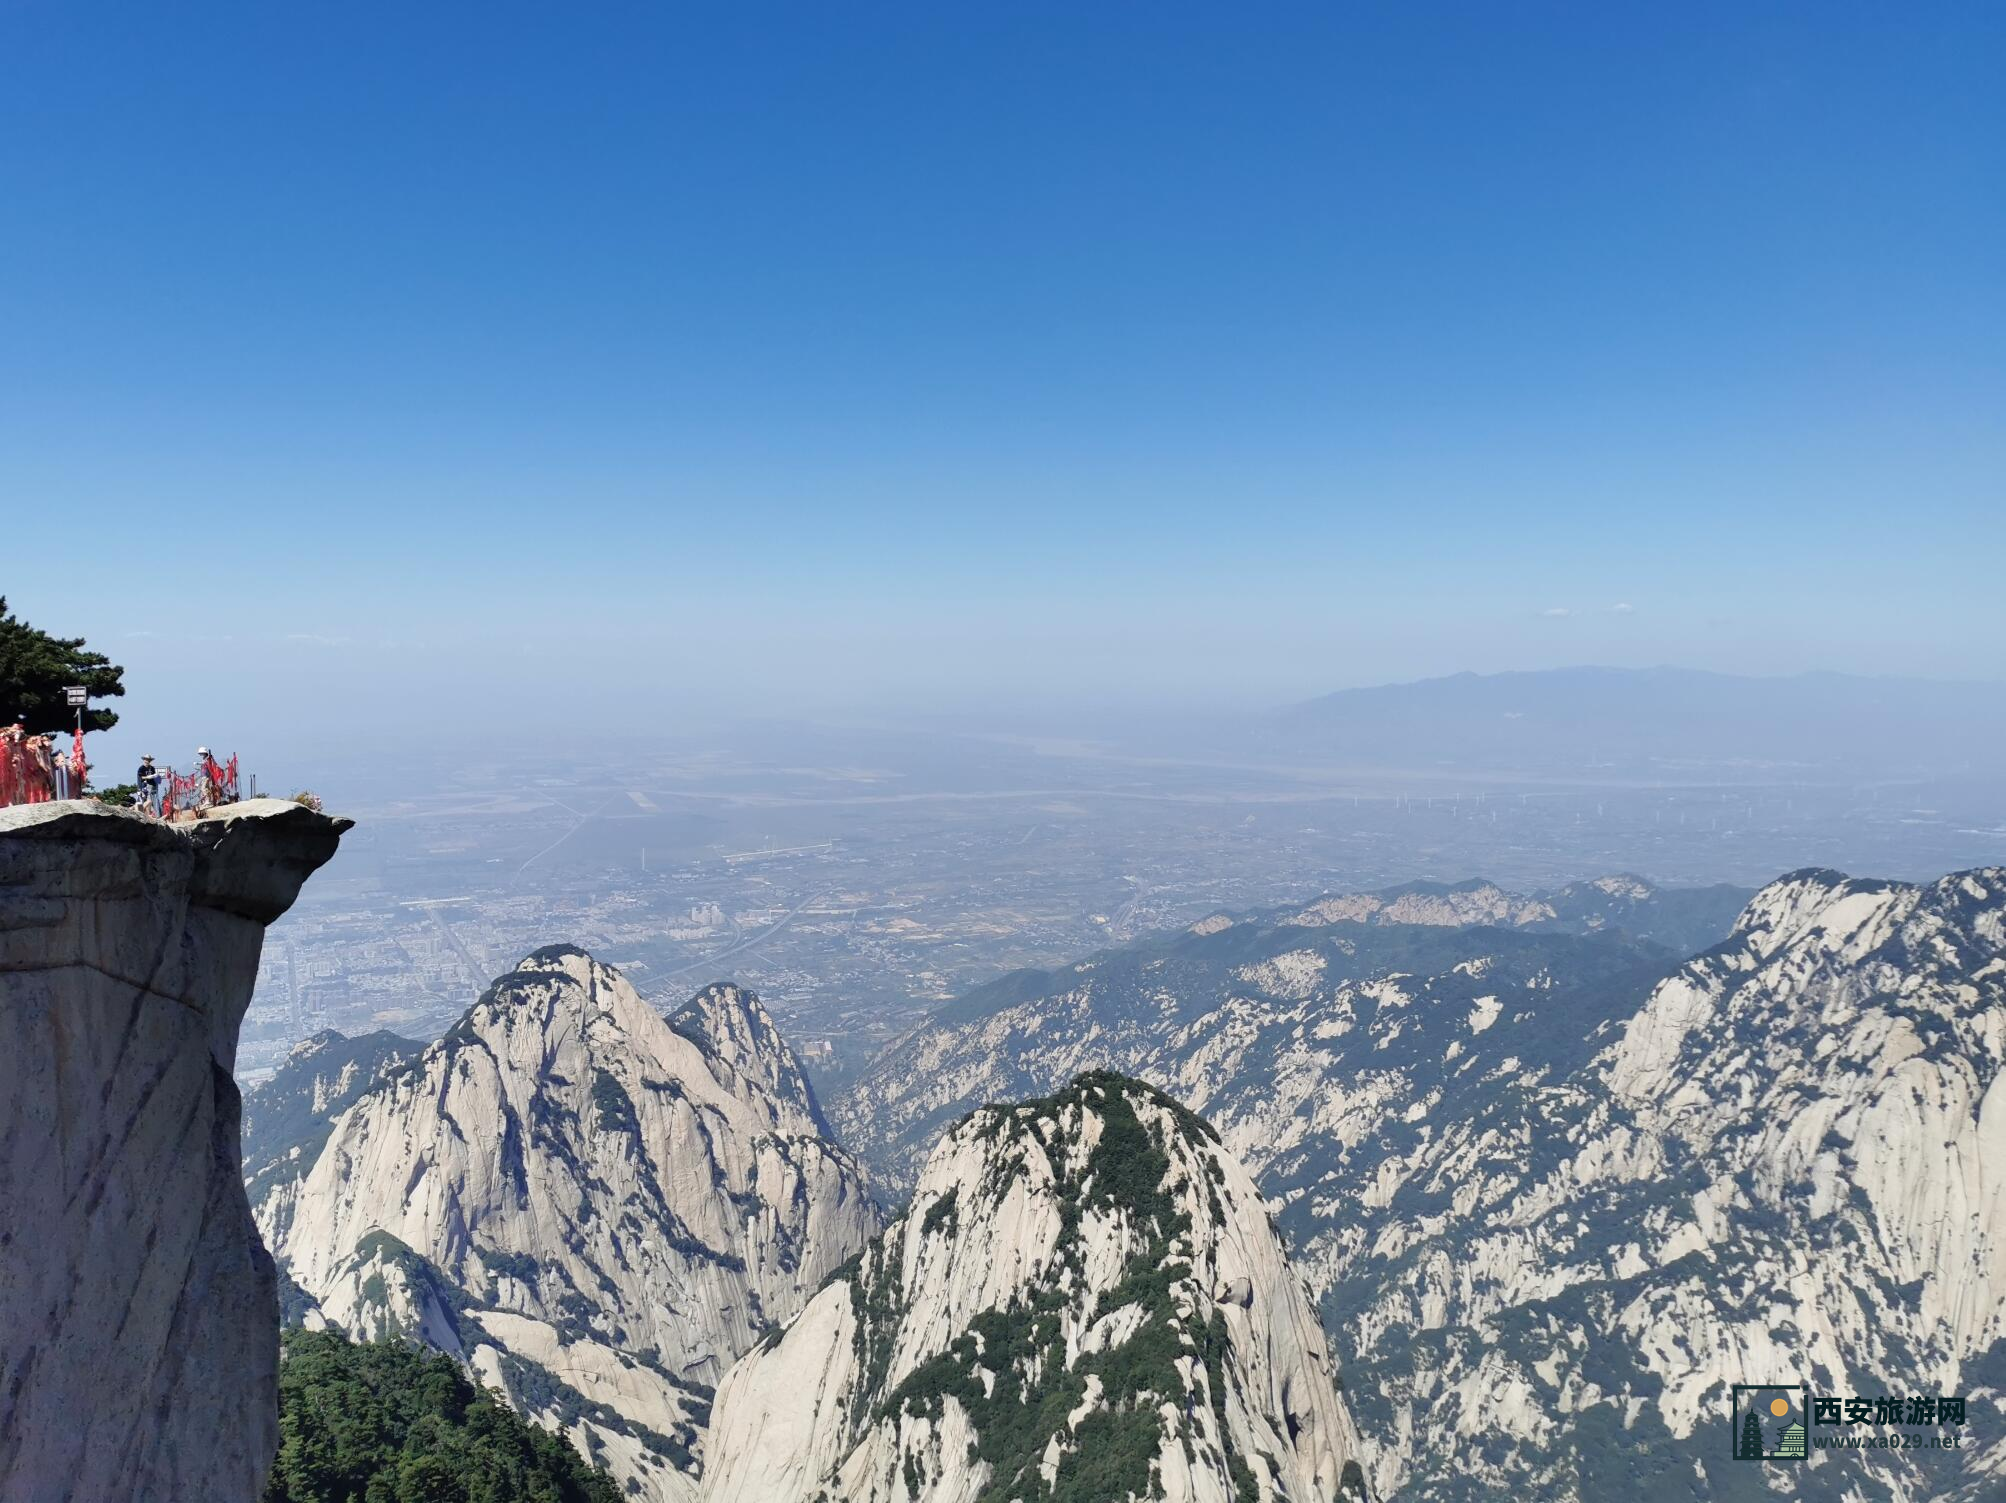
(1086,1299)
(595,1208)
(138,1309)
(288,1117)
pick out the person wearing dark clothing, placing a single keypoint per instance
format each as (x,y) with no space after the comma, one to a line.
(148,779)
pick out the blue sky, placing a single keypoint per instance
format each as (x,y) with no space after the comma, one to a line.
(777,356)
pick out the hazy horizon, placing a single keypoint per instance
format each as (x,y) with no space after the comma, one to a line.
(456,366)
(308,729)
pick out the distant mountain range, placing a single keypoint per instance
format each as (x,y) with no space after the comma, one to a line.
(1655,722)
(1600,943)
(1558,1188)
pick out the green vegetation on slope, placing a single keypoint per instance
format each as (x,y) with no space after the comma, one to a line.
(390,1423)
(289,1118)
(1008,1371)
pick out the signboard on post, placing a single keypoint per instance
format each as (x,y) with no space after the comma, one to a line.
(77,695)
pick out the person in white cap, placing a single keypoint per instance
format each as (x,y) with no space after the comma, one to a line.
(212,776)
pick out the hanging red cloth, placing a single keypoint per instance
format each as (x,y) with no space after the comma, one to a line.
(10,768)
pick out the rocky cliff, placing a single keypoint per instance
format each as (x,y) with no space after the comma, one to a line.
(1558,1192)
(595,1208)
(287,1118)
(137,1307)
(1782,1165)
(1085,1301)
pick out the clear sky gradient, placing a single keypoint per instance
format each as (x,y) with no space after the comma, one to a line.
(801,356)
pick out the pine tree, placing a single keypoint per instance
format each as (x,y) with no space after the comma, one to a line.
(383,1422)
(1751,1437)
(35,669)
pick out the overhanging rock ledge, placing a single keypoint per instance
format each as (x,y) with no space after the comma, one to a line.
(138,1309)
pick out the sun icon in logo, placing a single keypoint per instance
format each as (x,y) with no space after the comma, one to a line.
(1779,1407)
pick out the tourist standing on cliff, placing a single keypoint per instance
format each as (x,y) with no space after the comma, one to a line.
(212,776)
(148,779)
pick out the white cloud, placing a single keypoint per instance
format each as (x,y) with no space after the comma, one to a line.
(316,639)
(1556,610)
(1622,608)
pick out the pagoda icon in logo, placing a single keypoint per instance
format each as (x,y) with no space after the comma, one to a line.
(1769,1421)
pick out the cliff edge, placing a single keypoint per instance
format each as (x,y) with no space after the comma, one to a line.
(138,1308)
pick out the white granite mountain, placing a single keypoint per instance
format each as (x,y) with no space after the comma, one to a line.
(1557,1192)
(1086,1301)
(596,1208)
(288,1116)
(138,1314)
